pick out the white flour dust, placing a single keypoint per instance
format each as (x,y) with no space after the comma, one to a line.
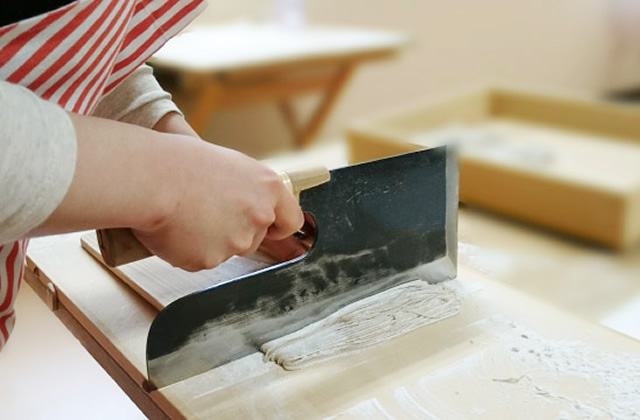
(539,377)
(516,373)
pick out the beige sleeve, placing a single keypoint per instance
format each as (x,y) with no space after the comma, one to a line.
(37,161)
(138,100)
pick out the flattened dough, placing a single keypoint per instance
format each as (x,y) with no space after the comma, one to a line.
(365,323)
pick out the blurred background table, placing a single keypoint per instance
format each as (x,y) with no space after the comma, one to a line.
(221,66)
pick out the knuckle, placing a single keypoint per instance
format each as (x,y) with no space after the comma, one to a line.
(298,220)
(263,217)
(185,265)
(209,262)
(293,223)
(191,268)
(272,182)
(239,244)
(271,177)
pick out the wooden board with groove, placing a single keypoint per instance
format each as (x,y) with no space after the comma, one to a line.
(504,355)
(159,283)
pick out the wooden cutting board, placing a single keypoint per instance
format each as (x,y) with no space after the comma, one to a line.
(505,355)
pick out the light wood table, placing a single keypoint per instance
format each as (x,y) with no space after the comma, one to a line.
(236,64)
(505,355)
(587,280)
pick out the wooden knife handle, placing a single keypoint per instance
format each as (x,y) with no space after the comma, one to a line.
(119,246)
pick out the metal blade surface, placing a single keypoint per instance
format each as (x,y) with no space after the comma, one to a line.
(379,224)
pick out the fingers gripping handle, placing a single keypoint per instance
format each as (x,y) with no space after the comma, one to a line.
(120,246)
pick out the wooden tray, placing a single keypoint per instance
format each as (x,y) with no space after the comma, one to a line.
(569,164)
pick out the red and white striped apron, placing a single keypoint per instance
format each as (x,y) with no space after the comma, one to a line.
(73,56)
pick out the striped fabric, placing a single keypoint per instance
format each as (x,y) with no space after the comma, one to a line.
(73,56)
(10,275)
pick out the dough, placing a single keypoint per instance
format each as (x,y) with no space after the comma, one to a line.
(365,323)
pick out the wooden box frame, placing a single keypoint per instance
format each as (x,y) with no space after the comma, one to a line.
(596,213)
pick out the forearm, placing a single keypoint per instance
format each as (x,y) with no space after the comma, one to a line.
(120,179)
(191,203)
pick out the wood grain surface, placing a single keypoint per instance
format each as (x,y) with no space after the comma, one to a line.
(159,283)
(506,354)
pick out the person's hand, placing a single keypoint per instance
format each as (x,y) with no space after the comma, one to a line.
(190,202)
(220,203)
(292,246)
(278,249)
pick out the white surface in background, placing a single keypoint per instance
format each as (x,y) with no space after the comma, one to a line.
(245,44)
(625,319)
(45,373)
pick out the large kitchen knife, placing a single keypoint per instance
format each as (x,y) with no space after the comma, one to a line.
(377,225)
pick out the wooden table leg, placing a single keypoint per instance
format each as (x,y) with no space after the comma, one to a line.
(328,101)
(212,94)
(208,99)
(290,118)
